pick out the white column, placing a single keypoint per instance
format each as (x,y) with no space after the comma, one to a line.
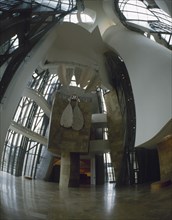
(64,170)
(93,171)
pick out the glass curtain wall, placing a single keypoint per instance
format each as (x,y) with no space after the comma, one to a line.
(22,155)
(147,14)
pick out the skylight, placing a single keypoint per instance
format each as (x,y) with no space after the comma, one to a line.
(64,5)
(86,16)
(148,16)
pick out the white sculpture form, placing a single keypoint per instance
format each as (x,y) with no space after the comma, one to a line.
(72,118)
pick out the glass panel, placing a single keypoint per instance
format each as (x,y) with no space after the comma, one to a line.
(22,155)
(141,13)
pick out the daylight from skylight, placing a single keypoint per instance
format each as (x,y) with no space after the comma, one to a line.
(154,19)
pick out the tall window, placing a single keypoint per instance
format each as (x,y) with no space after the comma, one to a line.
(146,14)
(22,155)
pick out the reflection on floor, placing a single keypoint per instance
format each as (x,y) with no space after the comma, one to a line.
(35,200)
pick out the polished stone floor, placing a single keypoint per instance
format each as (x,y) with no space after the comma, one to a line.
(24,199)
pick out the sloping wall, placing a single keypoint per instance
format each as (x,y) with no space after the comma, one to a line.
(149,67)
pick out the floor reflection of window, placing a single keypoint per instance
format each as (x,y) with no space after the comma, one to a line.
(109,169)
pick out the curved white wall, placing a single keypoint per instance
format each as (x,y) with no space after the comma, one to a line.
(76,45)
(149,66)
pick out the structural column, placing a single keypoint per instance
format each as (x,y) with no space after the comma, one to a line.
(93,171)
(64,170)
(70,170)
(74,179)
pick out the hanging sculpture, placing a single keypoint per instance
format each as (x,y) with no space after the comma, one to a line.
(66,119)
(78,119)
(72,117)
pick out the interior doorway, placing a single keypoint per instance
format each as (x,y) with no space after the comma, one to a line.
(85,171)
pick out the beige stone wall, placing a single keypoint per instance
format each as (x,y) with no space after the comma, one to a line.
(67,139)
(115,130)
(165,158)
